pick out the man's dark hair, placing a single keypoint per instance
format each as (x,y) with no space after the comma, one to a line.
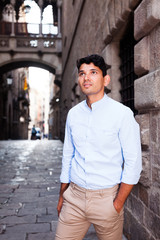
(96,60)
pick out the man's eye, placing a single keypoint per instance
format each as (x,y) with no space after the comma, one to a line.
(81,74)
(94,72)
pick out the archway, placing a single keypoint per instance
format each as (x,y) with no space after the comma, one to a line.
(19,115)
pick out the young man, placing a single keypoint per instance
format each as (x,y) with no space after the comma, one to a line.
(101,159)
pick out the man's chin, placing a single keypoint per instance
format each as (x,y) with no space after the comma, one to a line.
(87,93)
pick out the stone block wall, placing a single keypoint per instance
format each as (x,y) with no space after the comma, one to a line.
(143,205)
(98,28)
(142,209)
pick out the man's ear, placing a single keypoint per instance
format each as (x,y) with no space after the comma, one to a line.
(106,80)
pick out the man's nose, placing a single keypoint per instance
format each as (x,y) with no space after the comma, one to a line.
(86,77)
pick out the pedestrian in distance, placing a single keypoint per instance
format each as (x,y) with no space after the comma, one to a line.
(33,133)
(101,159)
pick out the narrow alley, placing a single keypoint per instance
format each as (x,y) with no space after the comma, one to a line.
(29,187)
(40,43)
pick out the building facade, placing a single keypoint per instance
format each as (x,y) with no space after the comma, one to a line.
(39,94)
(14,105)
(54,113)
(14,93)
(127,34)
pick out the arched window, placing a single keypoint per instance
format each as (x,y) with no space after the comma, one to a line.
(47,21)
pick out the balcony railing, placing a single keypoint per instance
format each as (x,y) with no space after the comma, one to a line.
(28,29)
(29,36)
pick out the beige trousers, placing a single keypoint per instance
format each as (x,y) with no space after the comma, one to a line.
(82,207)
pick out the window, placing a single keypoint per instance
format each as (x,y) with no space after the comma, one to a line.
(127,67)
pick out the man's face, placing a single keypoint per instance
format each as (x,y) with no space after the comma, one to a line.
(91,80)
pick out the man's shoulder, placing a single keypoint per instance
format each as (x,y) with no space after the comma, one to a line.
(118,107)
(77,107)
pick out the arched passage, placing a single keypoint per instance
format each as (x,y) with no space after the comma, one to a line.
(25,63)
(20,96)
(54,66)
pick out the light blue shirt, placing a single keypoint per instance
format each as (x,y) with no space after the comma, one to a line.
(102,145)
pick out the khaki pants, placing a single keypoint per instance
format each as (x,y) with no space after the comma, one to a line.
(82,207)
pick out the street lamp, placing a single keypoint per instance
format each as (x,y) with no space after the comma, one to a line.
(26,9)
(21,119)
(9,81)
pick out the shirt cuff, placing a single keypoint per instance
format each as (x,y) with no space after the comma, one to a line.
(64,178)
(131,179)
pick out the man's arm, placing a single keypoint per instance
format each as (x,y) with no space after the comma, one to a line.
(63,188)
(122,195)
(129,136)
(68,153)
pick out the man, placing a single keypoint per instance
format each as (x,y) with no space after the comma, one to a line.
(101,159)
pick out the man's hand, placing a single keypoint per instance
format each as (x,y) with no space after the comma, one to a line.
(63,188)
(122,195)
(59,205)
(118,205)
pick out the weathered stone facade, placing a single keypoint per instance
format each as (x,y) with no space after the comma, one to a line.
(93,26)
(14,105)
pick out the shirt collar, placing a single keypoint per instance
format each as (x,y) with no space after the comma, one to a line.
(97,104)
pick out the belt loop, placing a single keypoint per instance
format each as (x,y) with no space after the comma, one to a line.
(72,185)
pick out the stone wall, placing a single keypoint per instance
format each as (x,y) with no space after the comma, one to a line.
(97,27)
(147,101)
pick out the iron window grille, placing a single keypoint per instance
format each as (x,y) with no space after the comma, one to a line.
(127,68)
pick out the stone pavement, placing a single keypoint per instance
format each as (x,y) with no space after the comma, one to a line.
(29,187)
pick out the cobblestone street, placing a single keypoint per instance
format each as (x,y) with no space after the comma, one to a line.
(29,187)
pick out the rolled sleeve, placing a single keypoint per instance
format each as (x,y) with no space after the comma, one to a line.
(129,135)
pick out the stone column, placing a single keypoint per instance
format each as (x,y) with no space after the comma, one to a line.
(111,57)
(59,4)
(40,26)
(13,29)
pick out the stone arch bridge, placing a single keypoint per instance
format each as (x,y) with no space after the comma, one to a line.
(24,51)
(23,44)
